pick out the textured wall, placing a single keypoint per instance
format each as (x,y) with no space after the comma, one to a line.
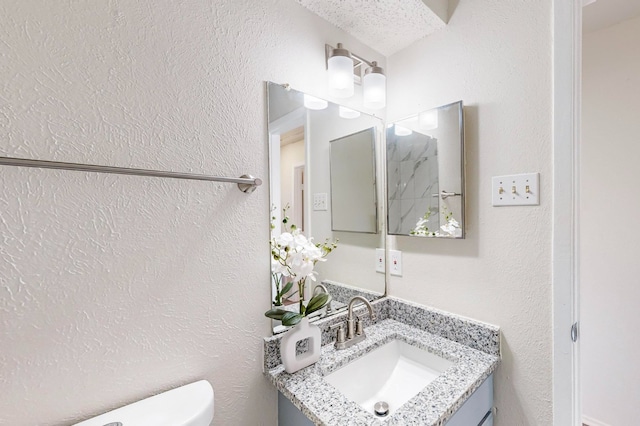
(496,56)
(609,243)
(114,288)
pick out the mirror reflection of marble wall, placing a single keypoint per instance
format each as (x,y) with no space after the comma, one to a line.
(425,174)
(412,176)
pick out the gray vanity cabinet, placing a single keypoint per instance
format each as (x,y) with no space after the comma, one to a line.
(475,411)
(289,415)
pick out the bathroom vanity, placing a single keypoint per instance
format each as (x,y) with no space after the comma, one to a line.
(477,410)
(417,366)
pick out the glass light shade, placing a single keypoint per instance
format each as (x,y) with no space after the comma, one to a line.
(311,102)
(401,131)
(345,112)
(340,76)
(429,120)
(374,87)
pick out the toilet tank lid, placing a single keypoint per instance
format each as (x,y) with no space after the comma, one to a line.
(188,405)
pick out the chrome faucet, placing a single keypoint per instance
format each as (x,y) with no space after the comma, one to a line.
(355,329)
(316,291)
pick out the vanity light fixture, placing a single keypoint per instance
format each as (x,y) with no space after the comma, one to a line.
(349,113)
(311,102)
(344,68)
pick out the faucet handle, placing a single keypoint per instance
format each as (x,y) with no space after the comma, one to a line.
(359,330)
(340,335)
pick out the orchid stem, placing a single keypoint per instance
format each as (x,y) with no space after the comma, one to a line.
(301,295)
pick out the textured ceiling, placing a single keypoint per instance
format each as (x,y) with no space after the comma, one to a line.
(384,25)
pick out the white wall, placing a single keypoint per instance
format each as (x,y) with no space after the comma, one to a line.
(113,288)
(609,236)
(495,55)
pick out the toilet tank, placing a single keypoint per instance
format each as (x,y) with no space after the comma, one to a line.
(188,405)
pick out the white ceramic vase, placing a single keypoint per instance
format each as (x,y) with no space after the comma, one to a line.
(293,362)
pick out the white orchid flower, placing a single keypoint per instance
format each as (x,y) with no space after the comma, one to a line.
(314,253)
(284,240)
(300,266)
(294,256)
(300,241)
(279,268)
(452,228)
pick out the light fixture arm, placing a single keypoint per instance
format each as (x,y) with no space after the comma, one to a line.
(361,59)
(328,51)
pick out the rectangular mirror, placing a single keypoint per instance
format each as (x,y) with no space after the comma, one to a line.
(425,174)
(322,157)
(353,183)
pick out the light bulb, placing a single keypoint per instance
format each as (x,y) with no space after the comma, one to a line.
(402,131)
(374,87)
(429,120)
(340,72)
(311,102)
(345,112)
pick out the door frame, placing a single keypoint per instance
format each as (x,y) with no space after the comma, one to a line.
(299,183)
(567,49)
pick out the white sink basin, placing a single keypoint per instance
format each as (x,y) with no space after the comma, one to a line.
(394,373)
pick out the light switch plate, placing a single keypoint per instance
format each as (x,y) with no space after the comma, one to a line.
(395,262)
(516,190)
(380,267)
(320,201)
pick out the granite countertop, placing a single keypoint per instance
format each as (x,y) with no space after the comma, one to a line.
(434,405)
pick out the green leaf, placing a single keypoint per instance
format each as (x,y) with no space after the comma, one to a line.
(275,314)
(286,288)
(291,318)
(317,302)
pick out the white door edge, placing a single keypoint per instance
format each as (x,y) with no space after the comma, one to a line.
(567,40)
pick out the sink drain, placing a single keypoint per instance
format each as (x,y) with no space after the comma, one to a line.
(381,408)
